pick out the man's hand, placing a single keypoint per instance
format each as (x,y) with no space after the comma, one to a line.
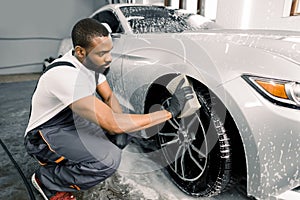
(179,99)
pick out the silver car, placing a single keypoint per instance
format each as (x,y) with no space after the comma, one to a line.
(248,85)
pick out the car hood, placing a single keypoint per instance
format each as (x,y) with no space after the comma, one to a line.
(282,43)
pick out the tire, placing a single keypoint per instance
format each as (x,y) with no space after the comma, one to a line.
(196,149)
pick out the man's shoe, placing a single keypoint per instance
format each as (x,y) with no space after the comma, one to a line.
(48,194)
(63,196)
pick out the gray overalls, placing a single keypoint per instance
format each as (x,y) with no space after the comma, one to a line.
(74,153)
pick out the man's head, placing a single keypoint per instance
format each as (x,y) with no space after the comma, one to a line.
(92,44)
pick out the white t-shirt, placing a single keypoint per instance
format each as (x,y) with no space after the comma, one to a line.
(59,87)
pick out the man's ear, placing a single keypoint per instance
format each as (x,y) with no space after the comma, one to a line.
(80,52)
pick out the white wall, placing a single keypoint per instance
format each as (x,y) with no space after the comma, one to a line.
(100,3)
(256,14)
(30,30)
(210,9)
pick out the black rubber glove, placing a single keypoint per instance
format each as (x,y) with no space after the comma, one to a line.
(179,99)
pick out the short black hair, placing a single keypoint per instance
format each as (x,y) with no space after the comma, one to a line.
(85,30)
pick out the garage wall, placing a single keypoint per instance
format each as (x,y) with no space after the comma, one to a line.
(31,30)
(257,14)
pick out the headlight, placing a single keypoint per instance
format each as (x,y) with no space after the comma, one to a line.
(281,92)
(293,91)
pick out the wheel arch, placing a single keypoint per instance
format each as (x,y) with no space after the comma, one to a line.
(231,127)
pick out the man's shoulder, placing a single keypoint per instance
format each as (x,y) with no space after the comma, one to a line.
(61,66)
(60,74)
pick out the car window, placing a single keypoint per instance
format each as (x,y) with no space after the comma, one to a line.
(111,19)
(157,19)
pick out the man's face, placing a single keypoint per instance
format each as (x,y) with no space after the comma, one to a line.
(98,57)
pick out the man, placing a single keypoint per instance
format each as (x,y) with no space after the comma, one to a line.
(68,123)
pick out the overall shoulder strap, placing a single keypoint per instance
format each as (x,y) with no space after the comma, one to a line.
(96,77)
(60,63)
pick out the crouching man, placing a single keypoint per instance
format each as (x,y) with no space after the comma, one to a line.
(68,124)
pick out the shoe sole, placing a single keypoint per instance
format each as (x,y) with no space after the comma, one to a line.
(37,187)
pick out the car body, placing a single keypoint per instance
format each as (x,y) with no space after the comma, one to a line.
(247,82)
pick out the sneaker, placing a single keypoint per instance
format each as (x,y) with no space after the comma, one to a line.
(48,194)
(63,196)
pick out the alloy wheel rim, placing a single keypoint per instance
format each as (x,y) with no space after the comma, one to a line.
(185,148)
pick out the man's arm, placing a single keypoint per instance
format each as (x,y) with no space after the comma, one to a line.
(98,112)
(95,110)
(108,97)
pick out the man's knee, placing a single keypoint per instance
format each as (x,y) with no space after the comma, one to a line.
(98,172)
(109,157)
(115,160)
(110,164)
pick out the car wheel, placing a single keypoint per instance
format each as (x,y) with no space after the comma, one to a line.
(196,149)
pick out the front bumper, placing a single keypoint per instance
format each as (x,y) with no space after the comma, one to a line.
(271,139)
